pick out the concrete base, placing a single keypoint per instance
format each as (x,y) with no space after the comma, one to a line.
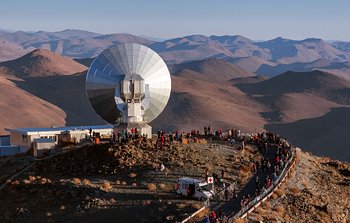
(142,128)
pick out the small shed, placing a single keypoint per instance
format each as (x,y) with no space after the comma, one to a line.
(42,146)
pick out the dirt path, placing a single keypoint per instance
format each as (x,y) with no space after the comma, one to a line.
(233,205)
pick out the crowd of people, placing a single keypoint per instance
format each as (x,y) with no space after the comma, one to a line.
(214,217)
(276,150)
(271,166)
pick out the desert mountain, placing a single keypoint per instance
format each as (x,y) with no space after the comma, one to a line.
(251,63)
(308,50)
(39,89)
(189,48)
(341,45)
(315,81)
(73,43)
(10,51)
(293,96)
(66,92)
(339,68)
(195,103)
(310,108)
(212,69)
(269,57)
(41,63)
(22,109)
(324,135)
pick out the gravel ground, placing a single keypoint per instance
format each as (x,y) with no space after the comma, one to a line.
(118,183)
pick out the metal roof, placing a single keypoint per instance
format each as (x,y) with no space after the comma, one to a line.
(59,129)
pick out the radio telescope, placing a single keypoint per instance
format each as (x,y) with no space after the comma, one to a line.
(128,85)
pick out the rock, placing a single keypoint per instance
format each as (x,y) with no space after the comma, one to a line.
(170,217)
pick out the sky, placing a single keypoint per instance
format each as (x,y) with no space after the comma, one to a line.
(255,19)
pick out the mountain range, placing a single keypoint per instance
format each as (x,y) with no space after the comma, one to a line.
(268,58)
(285,86)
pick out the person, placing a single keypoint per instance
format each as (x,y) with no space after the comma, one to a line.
(232,141)
(242,202)
(207,219)
(206,174)
(257,164)
(257,182)
(226,194)
(90,131)
(213,216)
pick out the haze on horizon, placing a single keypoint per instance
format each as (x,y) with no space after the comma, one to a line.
(258,20)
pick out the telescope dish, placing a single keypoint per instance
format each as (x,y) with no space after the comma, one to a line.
(128,83)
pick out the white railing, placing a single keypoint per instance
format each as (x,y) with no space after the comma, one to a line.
(263,196)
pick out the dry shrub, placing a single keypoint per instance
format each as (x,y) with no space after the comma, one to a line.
(132,175)
(294,190)
(271,216)
(162,186)
(239,220)
(274,196)
(246,168)
(106,185)
(286,217)
(118,182)
(280,191)
(280,210)
(298,157)
(261,211)
(76,181)
(324,217)
(243,175)
(32,178)
(197,206)
(334,173)
(124,183)
(266,205)
(209,167)
(151,186)
(86,182)
(258,218)
(201,214)
(291,174)
(181,205)
(202,141)
(134,184)
(305,183)
(249,149)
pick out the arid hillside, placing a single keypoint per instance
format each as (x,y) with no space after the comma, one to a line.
(213,70)
(20,108)
(316,191)
(41,63)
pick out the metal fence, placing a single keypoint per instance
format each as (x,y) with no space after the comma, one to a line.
(254,203)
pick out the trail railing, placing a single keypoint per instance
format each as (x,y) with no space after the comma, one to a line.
(269,191)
